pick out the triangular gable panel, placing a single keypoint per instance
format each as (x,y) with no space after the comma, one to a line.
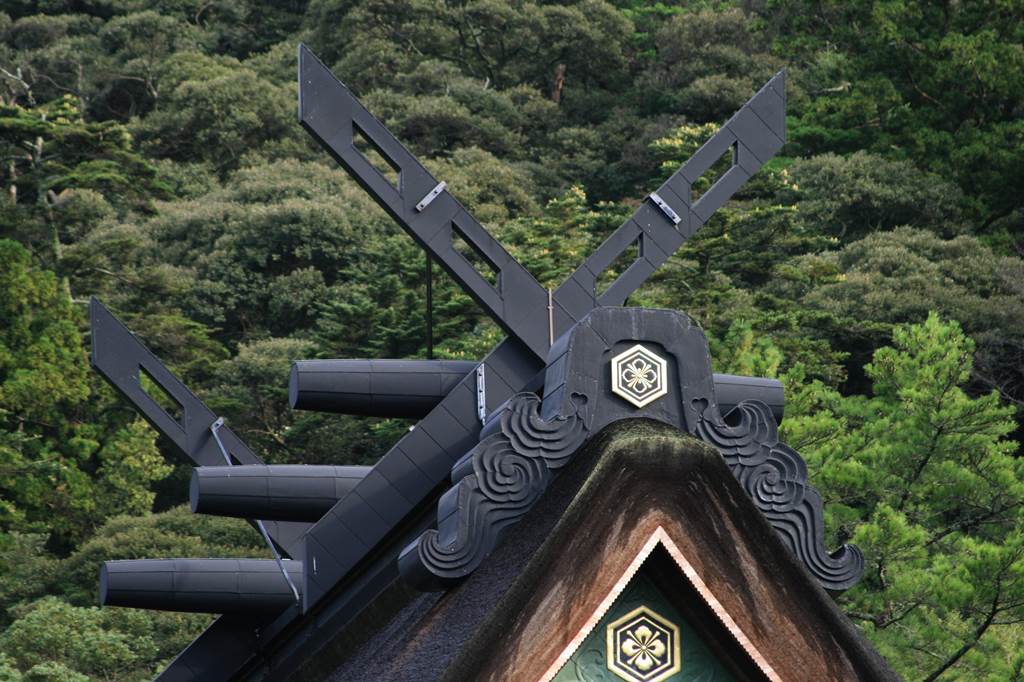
(660,623)
(640,492)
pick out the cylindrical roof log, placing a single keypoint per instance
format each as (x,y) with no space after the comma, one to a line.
(275,492)
(730,390)
(374,388)
(200,585)
(411,388)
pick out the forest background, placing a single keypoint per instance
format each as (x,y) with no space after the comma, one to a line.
(150,155)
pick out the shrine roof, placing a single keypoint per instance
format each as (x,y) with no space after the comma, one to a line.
(639,491)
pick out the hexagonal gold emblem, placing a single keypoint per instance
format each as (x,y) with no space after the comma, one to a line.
(643,647)
(639,376)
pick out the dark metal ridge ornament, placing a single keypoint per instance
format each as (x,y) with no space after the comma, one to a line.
(334,116)
(522,432)
(529,440)
(423,207)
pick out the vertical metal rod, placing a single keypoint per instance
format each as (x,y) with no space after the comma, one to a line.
(214,428)
(551,319)
(430,306)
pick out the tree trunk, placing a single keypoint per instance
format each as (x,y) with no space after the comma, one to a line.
(952,660)
(558,84)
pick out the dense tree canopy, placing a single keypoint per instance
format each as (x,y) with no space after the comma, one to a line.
(149,155)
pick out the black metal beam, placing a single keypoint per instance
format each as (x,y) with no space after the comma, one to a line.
(420,204)
(374,388)
(121,359)
(329,111)
(252,586)
(412,388)
(281,492)
(669,217)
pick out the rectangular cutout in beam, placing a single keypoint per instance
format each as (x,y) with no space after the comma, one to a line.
(161,397)
(713,174)
(375,156)
(475,257)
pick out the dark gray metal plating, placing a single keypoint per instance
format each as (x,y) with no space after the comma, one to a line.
(374,388)
(731,390)
(280,492)
(198,585)
(332,114)
(524,446)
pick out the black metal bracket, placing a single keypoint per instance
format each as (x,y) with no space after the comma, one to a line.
(215,428)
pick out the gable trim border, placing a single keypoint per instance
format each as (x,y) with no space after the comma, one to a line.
(660,536)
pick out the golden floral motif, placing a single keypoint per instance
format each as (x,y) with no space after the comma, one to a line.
(643,647)
(639,375)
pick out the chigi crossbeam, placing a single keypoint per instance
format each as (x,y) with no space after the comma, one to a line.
(492,434)
(419,203)
(333,115)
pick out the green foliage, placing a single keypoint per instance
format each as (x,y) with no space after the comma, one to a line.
(743,352)
(60,473)
(52,627)
(8,671)
(856,195)
(149,155)
(40,358)
(554,243)
(705,64)
(105,642)
(50,55)
(506,44)
(900,276)
(53,149)
(920,475)
(26,569)
(941,85)
(208,115)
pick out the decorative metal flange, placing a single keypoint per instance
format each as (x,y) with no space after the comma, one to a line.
(496,483)
(775,477)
